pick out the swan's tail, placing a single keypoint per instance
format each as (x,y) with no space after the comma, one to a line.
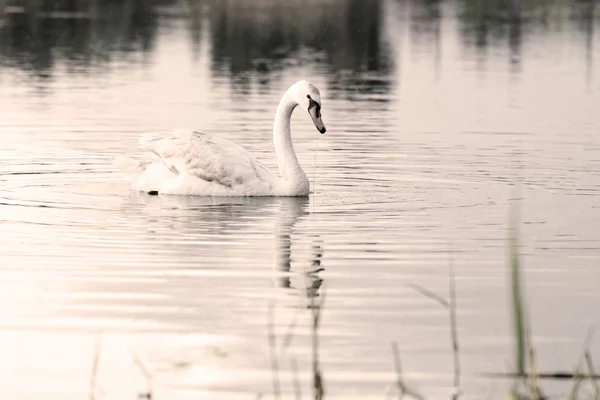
(130,168)
(145,176)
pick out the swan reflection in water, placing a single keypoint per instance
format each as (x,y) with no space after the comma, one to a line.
(224,216)
(291,209)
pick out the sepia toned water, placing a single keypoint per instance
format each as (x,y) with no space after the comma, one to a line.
(437,114)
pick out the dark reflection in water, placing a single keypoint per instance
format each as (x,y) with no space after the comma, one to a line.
(291,209)
(256,39)
(485,24)
(247,38)
(585,15)
(35,39)
(494,22)
(262,36)
(499,22)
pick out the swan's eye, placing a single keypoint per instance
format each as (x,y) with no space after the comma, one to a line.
(311,104)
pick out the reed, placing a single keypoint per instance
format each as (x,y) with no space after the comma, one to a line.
(148,392)
(273,352)
(450,305)
(527,384)
(316,308)
(94,373)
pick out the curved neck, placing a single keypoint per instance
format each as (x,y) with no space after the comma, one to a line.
(289,167)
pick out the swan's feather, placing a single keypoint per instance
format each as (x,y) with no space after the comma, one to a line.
(199,163)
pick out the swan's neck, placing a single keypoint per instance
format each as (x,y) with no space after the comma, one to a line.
(289,167)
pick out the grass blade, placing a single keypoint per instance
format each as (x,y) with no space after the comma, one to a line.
(592,371)
(517,297)
(399,381)
(273,352)
(454,329)
(296,379)
(428,293)
(147,394)
(95,364)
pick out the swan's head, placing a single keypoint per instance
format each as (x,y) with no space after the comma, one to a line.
(309,98)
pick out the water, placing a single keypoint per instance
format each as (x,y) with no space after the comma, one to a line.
(434,112)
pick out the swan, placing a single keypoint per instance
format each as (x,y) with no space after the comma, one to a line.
(196,163)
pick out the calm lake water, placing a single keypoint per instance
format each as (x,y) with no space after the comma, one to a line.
(434,111)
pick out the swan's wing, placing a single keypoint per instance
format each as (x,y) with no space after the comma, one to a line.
(206,157)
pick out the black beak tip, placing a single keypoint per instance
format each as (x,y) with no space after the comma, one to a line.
(322,130)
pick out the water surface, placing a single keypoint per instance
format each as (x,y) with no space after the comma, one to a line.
(438,113)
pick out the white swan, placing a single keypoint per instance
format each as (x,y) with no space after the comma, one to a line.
(196,163)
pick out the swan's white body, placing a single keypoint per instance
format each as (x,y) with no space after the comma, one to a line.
(196,163)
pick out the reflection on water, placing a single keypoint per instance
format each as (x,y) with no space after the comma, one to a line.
(256,36)
(508,23)
(346,35)
(264,37)
(290,211)
(255,41)
(113,30)
(252,41)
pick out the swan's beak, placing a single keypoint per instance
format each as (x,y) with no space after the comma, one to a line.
(315,114)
